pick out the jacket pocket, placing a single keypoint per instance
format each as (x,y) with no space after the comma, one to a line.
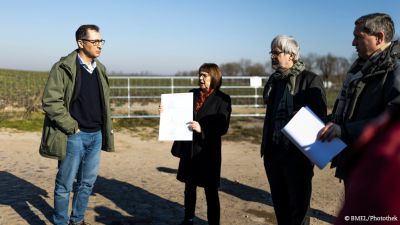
(54,142)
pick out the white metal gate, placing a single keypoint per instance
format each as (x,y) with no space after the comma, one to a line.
(139,96)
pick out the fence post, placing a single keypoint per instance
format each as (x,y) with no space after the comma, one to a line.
(255,100)
(129,97)
(172,85)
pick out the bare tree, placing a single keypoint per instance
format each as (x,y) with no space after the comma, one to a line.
(342,66)
(268,68)
(326,65)
(244,63)
(231,69)
(186,73)
(243,68)
(311,62)
(256,69)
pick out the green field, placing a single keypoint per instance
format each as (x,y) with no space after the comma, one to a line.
(17,86)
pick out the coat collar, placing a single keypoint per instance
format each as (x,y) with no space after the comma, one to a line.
(69,63)
(207,102)
(383,62)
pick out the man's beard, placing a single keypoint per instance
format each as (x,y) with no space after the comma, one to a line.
(275,65)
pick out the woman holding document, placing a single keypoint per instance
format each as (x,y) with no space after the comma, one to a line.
(289,171)
(200,159)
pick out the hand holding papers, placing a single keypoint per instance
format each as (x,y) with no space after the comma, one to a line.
(303,130)
(177,112)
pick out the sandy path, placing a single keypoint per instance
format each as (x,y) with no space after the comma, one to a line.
(137,185)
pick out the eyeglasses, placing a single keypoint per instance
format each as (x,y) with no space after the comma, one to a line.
(203,74)
(95,42)
(275,53)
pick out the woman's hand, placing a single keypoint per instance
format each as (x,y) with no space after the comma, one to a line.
(194,125)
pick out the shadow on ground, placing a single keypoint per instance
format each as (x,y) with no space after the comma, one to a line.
(24,197)
(140,206)
(248,193)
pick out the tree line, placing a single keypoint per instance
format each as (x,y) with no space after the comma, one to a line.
(332,68)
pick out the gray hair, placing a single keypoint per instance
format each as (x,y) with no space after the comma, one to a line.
(377,22)
(287,44)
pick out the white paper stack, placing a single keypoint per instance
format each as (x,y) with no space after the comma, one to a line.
(303,129)
(177,112)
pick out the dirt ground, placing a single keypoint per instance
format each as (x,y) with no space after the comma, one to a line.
(137,185)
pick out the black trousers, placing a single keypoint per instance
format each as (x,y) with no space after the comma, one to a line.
(290,184)
(213,207)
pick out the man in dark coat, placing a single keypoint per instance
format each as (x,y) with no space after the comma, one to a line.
(288,170)
(372,84)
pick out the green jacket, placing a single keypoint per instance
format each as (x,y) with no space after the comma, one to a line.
(58,123)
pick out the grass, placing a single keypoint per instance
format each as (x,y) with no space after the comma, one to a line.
(245,129)
(145,128)
(34,123)
(23,125)
(241,129)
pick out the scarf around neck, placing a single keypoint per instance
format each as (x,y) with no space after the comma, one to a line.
(357,72)
(292,73)
(202,98)
(284,109)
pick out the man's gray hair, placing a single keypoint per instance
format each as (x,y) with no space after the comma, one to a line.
(287,44)
(377,22)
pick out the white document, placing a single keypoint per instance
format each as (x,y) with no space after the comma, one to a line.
(303,129)
(177,112)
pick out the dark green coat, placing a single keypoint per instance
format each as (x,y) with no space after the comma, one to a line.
(58,123)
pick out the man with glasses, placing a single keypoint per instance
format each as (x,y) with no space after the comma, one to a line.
(289,171)
(77,123)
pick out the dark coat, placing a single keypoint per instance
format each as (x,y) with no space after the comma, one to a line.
(200,162)
(378,90)
(309,91)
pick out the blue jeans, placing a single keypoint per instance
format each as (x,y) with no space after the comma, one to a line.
(77,172)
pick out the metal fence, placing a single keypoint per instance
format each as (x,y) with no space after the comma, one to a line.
(131,96)
(139,97)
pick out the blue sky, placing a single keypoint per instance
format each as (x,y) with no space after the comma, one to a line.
(167,36)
